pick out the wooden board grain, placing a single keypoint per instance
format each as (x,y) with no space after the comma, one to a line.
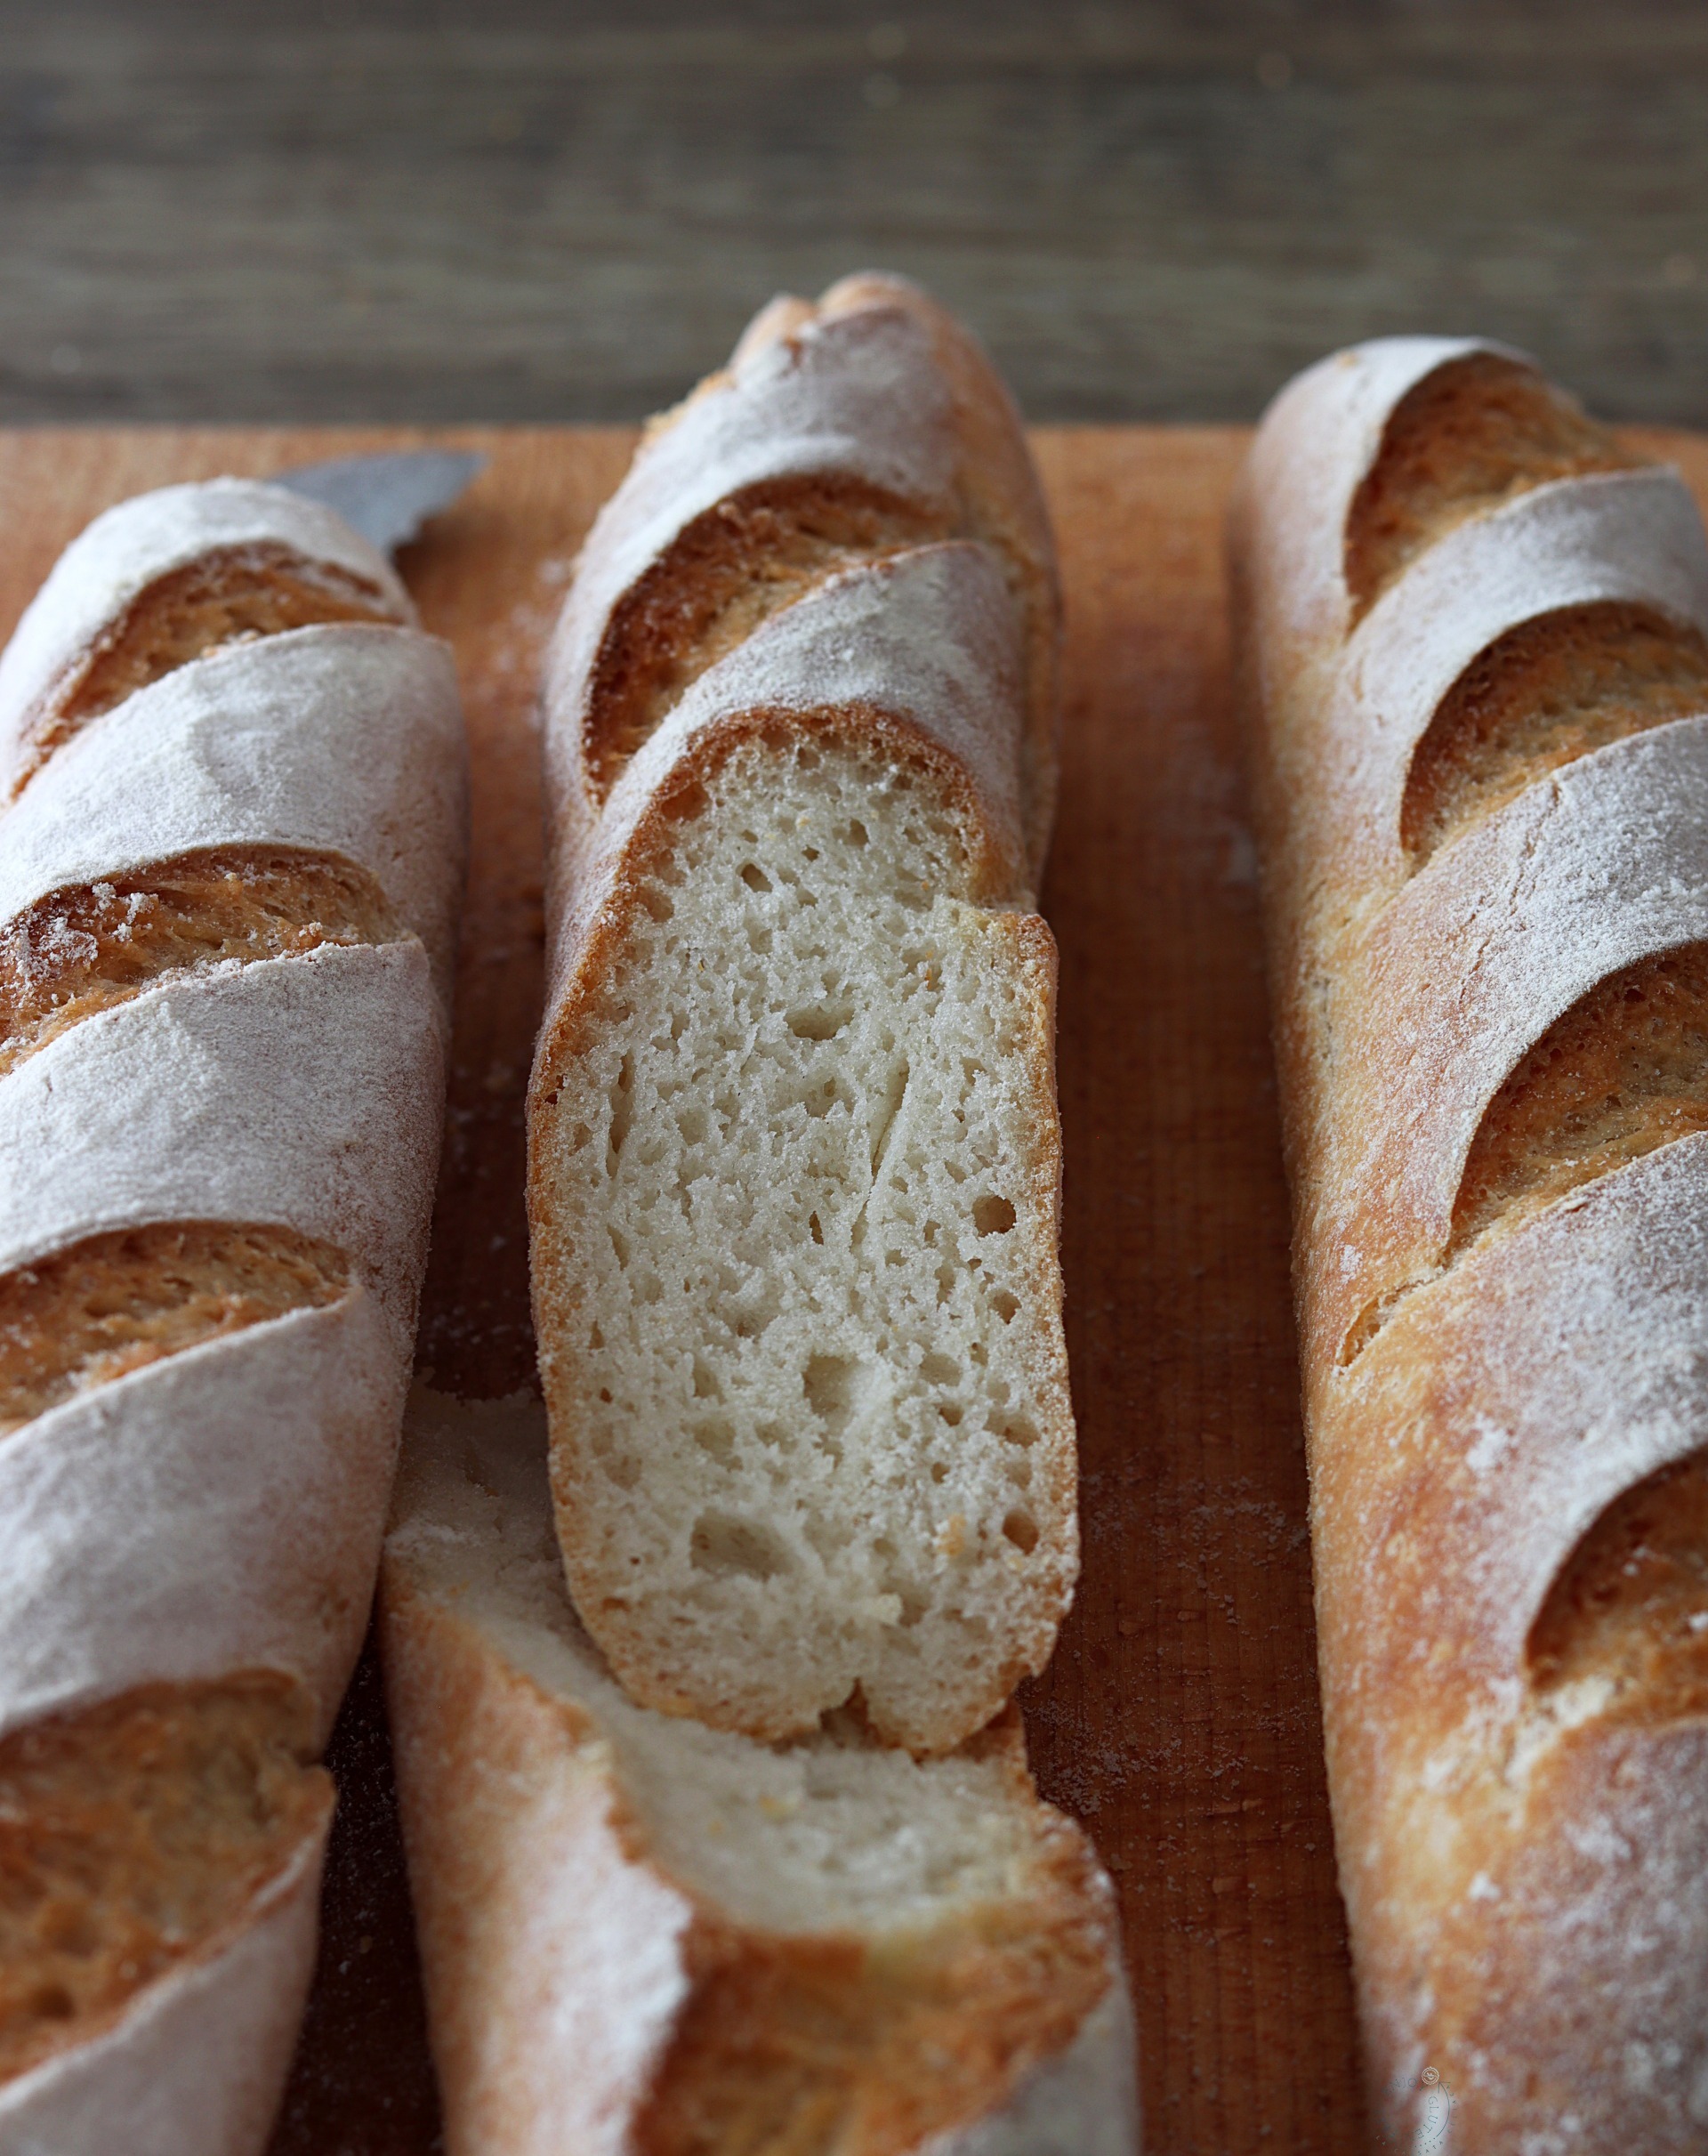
(1154,209)
(1179,1718)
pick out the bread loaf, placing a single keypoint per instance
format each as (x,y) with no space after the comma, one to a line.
(793,1148)
(639,1934)
(227,888)
(1473,634)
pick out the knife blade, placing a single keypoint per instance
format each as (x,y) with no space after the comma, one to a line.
(387,497)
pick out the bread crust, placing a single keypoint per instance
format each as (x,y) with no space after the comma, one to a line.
(194,2066)
(113,564)
(583,1992)
(342,740)
(876,385)
(1475,1405)
(218,1509)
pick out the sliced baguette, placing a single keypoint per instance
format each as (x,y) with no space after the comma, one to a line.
(793,1182)
(642,1936)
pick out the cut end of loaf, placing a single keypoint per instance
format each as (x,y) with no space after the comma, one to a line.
(134,1835)
(877,1951)
(1471,435)
(227,595)
(79,951)
(113,1303)
(793,1199)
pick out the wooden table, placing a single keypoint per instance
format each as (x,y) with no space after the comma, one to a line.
(1179,1718)
(1152,209)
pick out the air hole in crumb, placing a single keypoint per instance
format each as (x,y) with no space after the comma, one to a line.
(1017,1431)
(818,1232)
(828,1383)
(756,878)
(1022,1530)
(992,1215)
(856,833)
(820,1020)
(721,1543)
(939,1369)
(622,1100)
(1004,1304)
(718,1438)
(605,1394)
(950,1412)
(656,903)
(939,1472)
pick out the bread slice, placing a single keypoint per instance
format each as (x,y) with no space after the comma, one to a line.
(793,1183)
(639,1934)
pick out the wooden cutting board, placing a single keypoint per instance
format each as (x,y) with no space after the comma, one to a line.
(1179,1718)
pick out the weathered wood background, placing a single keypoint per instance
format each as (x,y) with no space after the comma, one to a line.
(555,210)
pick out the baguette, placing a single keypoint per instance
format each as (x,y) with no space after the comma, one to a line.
(1474,633)
(640,1934)
(227,886)
(793,1153)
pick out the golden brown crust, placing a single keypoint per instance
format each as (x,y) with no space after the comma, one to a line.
(1469,436)
(1631,1607)
(1513,1585)
(135,1835)
(766,544)
(1004,506)
(225,595)
(1624,1071)
(113,1303)
(83,950)
(752,553)
(1549,691)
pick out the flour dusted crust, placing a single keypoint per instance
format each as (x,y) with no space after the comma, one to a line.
(247,1096)
(134,544)
(215,1512)
(1522,1853)
(144,1535)
(876,385)
(925,641)
(597,1885)
(340,738)
(195,2065)
(1595,868)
